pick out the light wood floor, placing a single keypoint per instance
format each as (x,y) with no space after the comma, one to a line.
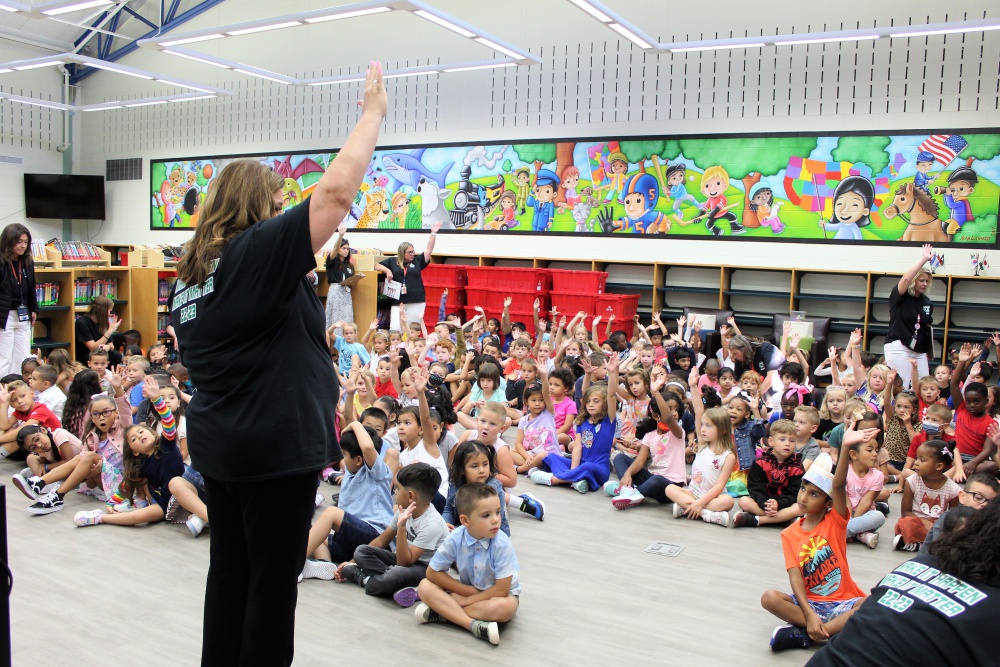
(114,595)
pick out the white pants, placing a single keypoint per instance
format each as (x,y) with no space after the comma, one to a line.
(414,313)
(898,357)
(15,344)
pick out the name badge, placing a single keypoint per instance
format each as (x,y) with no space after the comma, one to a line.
(403,289)
(22,314)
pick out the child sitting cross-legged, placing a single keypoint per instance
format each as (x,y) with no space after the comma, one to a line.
(927,494)
(815,547)
(487,590)
(363,510)
(773,482)
(398,558)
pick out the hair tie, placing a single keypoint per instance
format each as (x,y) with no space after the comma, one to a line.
(947,452)
(745,395)
(94,397)
(802,390)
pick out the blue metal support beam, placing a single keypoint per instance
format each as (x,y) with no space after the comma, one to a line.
(140,17)
(80,73)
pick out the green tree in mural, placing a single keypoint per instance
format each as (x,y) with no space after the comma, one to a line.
(638,152)
(748,159)
(981,147)
(529,153)
(870,151)
(507,166)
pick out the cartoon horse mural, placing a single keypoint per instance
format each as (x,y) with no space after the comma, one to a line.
(920,212)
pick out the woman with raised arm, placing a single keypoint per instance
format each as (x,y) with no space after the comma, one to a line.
(911,314)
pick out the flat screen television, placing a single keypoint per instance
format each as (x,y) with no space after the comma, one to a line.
(64,196)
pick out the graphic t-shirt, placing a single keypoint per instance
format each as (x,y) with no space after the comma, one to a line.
(918,615)
(820,555)
(666,453)
(539,433)
(931,503)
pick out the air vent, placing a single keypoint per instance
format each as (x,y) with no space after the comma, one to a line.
(10,159)
(125,169)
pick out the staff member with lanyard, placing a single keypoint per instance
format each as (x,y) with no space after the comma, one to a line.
(911,315)
(262,424)
(18,302)
(762,357)
(405,269)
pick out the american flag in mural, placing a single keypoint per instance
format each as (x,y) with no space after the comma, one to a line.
(945,147)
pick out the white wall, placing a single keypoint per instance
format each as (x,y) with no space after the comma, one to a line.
(589,84)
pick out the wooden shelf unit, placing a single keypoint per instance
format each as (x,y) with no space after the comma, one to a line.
(965,307)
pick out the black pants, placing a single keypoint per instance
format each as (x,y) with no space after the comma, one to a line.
(385,576)
(260,531)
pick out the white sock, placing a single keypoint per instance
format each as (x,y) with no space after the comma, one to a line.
(513,501)
(541,477)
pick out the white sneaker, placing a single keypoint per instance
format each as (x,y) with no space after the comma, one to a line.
(582,486)
(195,524)
(720,518)
(318,569)
(678,511)
(628,497)
(319,499)
(611,487)
(868,539)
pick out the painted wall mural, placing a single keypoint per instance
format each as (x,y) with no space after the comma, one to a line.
(917,188)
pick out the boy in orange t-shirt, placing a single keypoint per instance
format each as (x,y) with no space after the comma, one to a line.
(823,593)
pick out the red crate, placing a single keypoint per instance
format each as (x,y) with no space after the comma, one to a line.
(578,282)
(526,317)
(454,304)
(523,302)
(479,297)
(508,278)
(622,306)
(571,303)
(444,275)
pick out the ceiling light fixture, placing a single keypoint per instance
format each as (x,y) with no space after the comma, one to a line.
(5,70)
(475,67)
(146,104)
(7,8)
(77,6)
(824,40)
(39,103)
(192,40)
(630,36)
(496,47)
(185,85)
(121,71)
(196,58)
(433,18)
(263,28)
(404,74)
(719,47)
(263,76)
(348,15)
(592,10)
(47,63)
(334,82)
(192,99)
(117,106)
(944,31)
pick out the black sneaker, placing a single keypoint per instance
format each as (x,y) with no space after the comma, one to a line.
(891,479)
(532,505)
(737,228)
(29,486)
(882,507)
(745,520)
(487,630)
(47,504)
(789,636)
(353,574)
(899,545)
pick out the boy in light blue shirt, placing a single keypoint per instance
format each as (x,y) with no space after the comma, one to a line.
(348,346)
(364,509)
(137,368)
(487,590)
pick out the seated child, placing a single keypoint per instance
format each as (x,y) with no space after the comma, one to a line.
(806,422)
(27,411)
(474,462)
(398,558)
(536,431)
(748,433)
(773,482)
(137,368)
(43,380)
(936,425)
(364,508)
(486,591)
(980,489)
(864,486)
(823,593)
(972,420)
(348,346)
(46,450)
(926,495)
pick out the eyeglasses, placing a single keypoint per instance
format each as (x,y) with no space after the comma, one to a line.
(978,498)
(103,413)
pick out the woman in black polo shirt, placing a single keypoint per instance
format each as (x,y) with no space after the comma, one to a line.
(405,269)
(18,304)
(761,356)
(261,425)
(910,316)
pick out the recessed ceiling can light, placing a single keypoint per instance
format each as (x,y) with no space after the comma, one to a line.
(348,15)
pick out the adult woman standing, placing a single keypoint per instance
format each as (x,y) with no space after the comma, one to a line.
(405,269)
(18,303)
(94,330)
(762,357)
(911,315)
(261,427)
(339,267)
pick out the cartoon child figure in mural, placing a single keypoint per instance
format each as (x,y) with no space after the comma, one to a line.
(640,194)
(853,201)
(762,203)
(714,182)
(522,183)
(961,183)
(546,186)
(505,219)
(925,162)
(617,168)
(675,181)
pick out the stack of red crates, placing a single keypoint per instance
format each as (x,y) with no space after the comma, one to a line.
(489,286)
(440,277)
(623,307)
(575,291)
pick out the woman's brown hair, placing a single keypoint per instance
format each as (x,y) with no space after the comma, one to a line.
(241,196)
(100,309)
(8,239)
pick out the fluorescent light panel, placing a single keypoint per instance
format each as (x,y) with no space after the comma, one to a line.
(196,58)
(121,71)
(405,74)
(192,40)
(433,18)
(263,28)
(824,40)
(337,81)
(37,103)
(146,104)
(475,67)
(8,9)
(47,63)
(259,75)
(947,31)
(348,15)
(502,49)
(5,70)
(184,85)
(57,11)
(592,10)
(630,36)
(719,47)
(118,106)
(192,99)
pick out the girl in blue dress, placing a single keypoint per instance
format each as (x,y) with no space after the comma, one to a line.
(590,467)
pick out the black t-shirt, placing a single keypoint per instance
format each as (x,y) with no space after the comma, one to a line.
(918,616)
(253,341)
(86,331)
(825,426)
(910,319)
(766,358)
(410,278)
(338,272)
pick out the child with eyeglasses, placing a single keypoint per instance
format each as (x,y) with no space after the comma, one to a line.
(979,489)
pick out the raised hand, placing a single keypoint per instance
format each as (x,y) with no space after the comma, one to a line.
(786,327)
(928,251)
(376,100)
(833,354)
(723,330)
(597,320)
(856,337)
(435,228)
(374,325)
(507,301)
(731,320)
(420,378)
(794,339)
(151,388)
(538,303)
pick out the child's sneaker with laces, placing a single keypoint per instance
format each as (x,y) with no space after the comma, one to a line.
(47,504)
(789,636)
(627,497)
(539,476)
(88,518)
(720,518)
(899,545)
(868,539)
(425,614)
(30,486)
(318,569)
(487,630)
(195,524)
(745,520)
(678,511)
(581,486)
(532,506)
(611,487)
